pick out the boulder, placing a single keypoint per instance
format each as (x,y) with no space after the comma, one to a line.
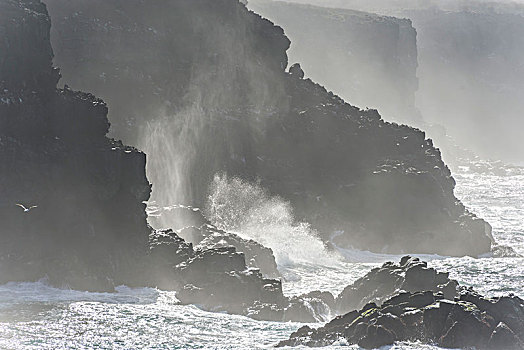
(256,255)
(410,274)
(468,321)
(219,280)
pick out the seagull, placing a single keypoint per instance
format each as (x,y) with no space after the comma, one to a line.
(26,210)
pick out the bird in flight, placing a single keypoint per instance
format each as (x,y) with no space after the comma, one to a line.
(26,210)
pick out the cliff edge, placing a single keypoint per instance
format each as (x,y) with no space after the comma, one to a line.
(202,88)
(71,199)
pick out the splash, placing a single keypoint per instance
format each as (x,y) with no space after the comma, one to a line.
(250,211)
(172,141)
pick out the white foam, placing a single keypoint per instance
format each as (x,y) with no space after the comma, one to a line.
(33,292)
(248,210)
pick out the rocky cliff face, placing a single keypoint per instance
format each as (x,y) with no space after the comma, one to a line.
(72,200)
(367,59)
(470,68)
(85,224)
(166,55)
(201,86)
(471,76)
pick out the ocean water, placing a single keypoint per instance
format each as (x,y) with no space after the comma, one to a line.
(36,316)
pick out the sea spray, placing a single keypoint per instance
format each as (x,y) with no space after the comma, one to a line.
(250,211)
(172,141)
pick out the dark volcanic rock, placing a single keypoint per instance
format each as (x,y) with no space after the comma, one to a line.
(87,226)
(219,280)
(469,321)
(257,256)
(367,59)
(196,229)
(410,275)
(504,338)
(296,71)
(216,278)
(166,250)
(216,66)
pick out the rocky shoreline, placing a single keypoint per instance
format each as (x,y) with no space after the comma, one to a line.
(72,200)
(444,316)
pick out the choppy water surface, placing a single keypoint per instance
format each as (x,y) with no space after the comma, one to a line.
(35,316)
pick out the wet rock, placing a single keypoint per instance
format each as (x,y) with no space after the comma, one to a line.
(300,310)
(218,279)
(393,324)
(419,277)
(466,326)
(166,250)
(504,338)
(434,319)
(195,228)
(379,284)
(166,245)
(296,71)
(502,251)
(507,309)
(324,297)
(266,312)
(469,321)
(376,337)
(257,256)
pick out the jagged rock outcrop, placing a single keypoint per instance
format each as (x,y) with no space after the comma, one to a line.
(257,256)
(86,225)
(367,59)
(467,320)
(217,278)
(470,70)
(166,250)
(196,229)
(218,70)
(381,283)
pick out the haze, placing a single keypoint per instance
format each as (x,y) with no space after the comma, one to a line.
(470,72)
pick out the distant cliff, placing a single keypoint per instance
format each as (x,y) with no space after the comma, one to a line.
(470,56)
(201,86)
(472,77)
(367,59)
(84,225)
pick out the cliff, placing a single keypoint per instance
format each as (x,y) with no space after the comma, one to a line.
(471,76)
(367,59)
(201,86)
(470,68)
(85,224)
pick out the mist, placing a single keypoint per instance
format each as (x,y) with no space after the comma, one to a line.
(252,174)
(467,72)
